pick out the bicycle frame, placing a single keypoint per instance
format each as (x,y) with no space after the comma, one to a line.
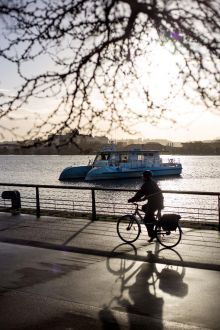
(137,212)
(141,218)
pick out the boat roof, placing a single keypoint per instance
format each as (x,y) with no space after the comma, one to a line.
(129,151)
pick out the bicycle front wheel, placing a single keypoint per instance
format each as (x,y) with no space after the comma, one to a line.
(167,238)
(128,228)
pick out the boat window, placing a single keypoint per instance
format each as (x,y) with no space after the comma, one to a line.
(141,157)
(103,156)
(113,156)
(123,158)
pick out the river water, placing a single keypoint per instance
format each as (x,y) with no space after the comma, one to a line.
(200,173)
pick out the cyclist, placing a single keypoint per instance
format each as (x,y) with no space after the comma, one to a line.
(150,191)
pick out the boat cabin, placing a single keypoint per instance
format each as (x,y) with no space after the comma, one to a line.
(130,158)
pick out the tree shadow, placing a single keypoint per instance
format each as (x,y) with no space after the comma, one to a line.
(43,272)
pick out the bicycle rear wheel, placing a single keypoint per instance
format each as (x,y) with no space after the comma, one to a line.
(128,228)
(168,238)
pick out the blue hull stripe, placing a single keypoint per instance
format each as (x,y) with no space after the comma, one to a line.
(131,174)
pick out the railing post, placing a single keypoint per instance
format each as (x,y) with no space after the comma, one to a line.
(37,202)
(218,212)
(93,205)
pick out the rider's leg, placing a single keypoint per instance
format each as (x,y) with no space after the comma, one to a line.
(149,220)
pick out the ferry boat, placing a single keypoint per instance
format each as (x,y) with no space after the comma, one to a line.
(112,164)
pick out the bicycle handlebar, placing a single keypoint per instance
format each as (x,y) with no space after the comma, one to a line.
(136,203)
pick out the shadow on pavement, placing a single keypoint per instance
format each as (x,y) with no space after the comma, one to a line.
(140,286)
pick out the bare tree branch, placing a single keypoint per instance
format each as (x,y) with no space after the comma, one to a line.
(93,57)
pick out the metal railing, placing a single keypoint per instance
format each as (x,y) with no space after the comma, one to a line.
(111,201)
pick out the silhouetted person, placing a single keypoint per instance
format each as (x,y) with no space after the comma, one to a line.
(143,299)
(150,191)
(109,322)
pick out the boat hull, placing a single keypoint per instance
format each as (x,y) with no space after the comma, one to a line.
(77,172)
(108,173)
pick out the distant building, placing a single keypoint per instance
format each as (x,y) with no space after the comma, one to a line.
(9,147)
(81,139)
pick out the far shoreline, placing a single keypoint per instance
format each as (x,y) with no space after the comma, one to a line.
(94,153)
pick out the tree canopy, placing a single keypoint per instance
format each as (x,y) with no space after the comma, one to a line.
(109,63)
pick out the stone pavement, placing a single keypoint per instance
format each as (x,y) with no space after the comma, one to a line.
(61,273)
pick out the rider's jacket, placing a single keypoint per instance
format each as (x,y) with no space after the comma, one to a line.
(150,191)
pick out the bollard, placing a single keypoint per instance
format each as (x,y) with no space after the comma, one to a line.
(15,198)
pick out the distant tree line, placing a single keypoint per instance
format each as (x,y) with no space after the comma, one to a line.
(201,148)
(90,145)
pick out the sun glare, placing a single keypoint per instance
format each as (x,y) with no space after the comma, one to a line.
(159,73)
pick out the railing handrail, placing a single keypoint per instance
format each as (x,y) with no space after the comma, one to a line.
(207,193)
(94,189)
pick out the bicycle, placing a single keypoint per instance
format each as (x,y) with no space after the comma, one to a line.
(166,227)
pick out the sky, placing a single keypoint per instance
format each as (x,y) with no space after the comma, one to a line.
(205,126)
(192,123)
(196,126)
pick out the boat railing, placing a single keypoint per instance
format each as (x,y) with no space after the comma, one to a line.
(193,206)
(138,164)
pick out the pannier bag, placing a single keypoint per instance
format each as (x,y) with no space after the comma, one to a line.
(170,221)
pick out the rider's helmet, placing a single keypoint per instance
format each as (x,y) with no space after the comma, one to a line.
(147,174)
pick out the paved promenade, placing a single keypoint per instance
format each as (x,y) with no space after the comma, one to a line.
(61,273)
